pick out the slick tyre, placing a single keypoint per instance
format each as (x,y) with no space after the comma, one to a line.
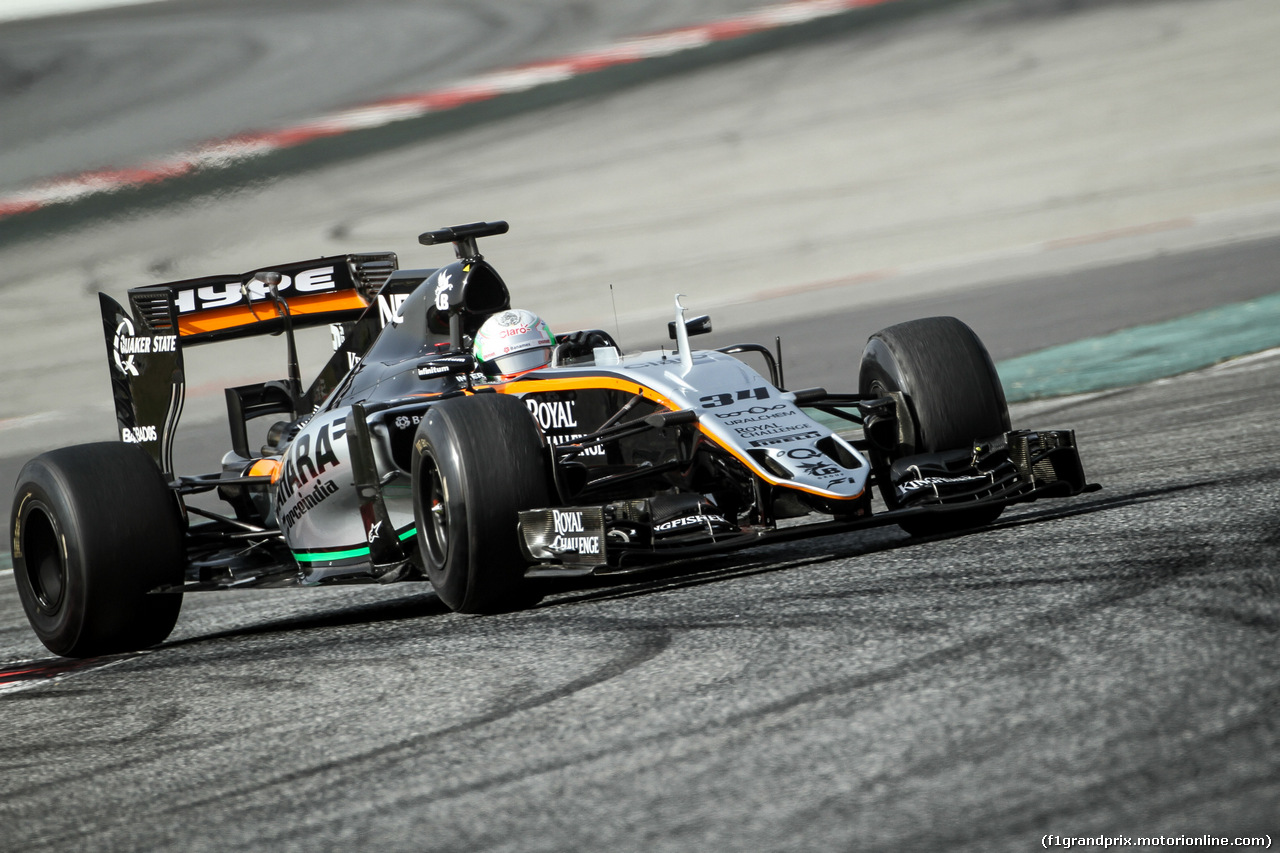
(95,529)
(477,462)
(953,398)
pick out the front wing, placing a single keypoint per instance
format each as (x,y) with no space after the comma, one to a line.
(625,536)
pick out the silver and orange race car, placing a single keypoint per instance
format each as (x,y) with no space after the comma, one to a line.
(410,458)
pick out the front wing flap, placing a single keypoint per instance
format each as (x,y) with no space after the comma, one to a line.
(1019,465)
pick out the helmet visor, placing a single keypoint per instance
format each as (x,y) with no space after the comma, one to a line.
(522,361)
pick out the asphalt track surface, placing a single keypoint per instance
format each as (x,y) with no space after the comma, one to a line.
(1098,666)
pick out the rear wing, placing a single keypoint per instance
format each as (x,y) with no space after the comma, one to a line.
(221,307)
(144,344)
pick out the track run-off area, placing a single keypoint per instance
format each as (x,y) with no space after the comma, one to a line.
(1093,186)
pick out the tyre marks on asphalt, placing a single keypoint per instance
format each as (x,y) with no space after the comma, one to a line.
(1011,643)
(456,753)
(24,675)
(1228,765)
(517,697)
(647,639)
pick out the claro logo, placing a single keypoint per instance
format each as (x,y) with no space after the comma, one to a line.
(210,296)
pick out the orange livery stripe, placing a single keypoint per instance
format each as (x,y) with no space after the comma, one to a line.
(235,316)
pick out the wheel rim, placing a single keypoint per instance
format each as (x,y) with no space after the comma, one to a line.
(878,389)
(46,570)
(436,504)
(880,459)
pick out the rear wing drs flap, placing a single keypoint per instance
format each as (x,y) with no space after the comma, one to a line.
(145,343)
(222,307)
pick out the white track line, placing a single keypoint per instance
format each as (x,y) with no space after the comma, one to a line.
(19,10)
(226,152)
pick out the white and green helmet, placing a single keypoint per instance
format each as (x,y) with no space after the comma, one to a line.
(513,341)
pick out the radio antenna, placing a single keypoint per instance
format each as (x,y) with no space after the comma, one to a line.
(617,328)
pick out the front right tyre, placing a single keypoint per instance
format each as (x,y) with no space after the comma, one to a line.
(94,530)
(953,398)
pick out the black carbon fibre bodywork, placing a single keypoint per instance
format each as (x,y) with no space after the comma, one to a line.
(650,458)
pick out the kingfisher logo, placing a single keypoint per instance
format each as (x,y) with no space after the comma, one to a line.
(689,521)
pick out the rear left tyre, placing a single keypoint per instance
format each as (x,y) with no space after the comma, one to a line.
(94,529)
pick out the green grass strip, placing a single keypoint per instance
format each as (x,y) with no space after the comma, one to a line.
(1144,353)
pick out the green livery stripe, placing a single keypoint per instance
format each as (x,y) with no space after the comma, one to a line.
(324,556)
(351,553)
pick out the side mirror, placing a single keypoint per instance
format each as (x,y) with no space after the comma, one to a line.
(696,326)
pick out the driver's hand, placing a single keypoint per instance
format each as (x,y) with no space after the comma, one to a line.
(579,342)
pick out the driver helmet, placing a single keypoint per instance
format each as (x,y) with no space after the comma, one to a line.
(513,341)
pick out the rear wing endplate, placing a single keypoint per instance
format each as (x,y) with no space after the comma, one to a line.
(144,344)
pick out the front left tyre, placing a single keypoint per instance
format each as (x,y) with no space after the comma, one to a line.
(477,462)
(94,530)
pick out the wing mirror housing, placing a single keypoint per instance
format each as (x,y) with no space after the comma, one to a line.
(695,326)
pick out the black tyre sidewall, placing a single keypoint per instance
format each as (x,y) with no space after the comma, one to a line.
(120,537)
(491,460)
(953,395)
(440,446)
(58,628)
(951,383)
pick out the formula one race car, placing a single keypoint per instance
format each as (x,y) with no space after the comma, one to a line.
(453,439)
